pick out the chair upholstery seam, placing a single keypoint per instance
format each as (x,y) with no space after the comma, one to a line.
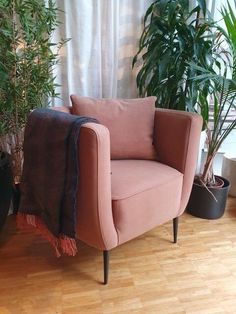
(146,190)
(185,161)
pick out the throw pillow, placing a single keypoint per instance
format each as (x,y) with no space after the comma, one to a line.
(130,122)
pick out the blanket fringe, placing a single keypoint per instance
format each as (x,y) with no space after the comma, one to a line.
(62,244)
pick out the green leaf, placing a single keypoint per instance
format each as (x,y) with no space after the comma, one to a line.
(203,6)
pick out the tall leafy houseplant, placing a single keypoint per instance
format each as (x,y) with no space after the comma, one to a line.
(173,36)
(26,65)
(209,192)
(223,95)
(221,82)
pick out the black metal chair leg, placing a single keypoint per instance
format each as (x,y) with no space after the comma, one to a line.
(175,228)
(106,266)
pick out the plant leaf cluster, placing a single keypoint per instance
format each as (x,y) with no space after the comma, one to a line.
(27,59)
(174,36)
(186,63)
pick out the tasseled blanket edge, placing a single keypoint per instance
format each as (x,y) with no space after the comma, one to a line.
(61,244)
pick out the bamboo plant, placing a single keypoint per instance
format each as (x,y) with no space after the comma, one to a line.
(27,59)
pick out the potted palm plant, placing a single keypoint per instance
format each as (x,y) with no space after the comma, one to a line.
(176,37)
(173,36)
(209,193)
(27,59)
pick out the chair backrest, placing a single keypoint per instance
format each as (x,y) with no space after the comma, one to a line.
(129,121)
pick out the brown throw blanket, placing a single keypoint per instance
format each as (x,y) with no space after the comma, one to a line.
(50,177)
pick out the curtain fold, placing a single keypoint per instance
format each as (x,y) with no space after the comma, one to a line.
(97,60)
(215,6)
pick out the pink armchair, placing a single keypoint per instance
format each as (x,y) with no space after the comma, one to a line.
(119,200)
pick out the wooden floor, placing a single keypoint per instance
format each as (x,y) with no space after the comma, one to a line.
(147,275)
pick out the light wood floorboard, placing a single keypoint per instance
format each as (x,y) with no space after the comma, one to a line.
(147,275)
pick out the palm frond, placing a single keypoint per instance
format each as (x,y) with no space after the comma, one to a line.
(229,18)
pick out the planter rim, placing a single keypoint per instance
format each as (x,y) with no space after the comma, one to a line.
(225,186)
(204,205)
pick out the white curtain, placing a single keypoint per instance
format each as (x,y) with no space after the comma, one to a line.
(97,61)
(215,7)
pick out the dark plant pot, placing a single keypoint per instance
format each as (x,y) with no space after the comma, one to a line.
(6,184)
(16,198)
(203,205)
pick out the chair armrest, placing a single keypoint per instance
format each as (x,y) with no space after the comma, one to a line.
(94,208)
(95,224)
(176,138)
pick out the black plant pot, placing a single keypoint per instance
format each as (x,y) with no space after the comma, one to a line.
(6,184)
(16,198)
(203,205)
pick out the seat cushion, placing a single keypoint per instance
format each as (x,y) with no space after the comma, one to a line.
(130,122)
(144,194)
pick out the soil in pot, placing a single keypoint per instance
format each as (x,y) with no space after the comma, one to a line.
(204,205)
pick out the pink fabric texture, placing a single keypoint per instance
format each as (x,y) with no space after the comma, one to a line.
(144,194)
(130,122)
(177,136)
(95,220)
